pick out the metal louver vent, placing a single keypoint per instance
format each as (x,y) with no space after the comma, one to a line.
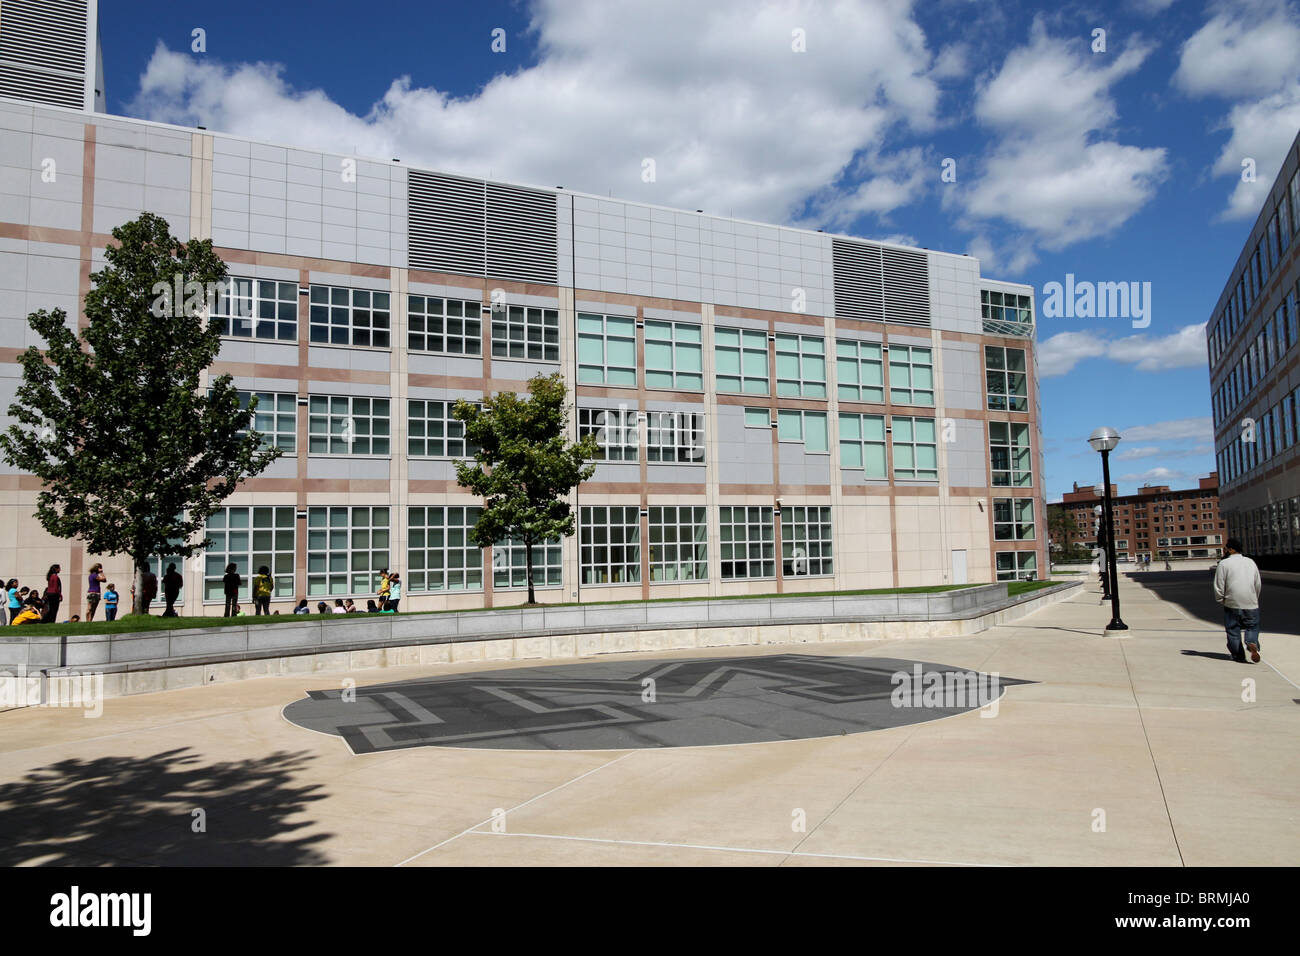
(907,287)
(43,51)
(858,285)
(468,227)
(520,234)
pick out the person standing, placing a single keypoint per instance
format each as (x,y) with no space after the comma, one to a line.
(1236,587)
(231,582)
(172,583)
(262,587)
(53,594)
(15,602)
(385,585)
(394,592)
(110,603)
(94,580)
(150,590)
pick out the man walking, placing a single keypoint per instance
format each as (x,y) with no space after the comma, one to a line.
(1236,587)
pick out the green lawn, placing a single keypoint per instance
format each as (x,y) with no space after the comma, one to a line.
(134,623)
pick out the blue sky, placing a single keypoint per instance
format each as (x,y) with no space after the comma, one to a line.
(1120,164)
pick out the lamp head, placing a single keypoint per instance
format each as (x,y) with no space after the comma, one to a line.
(1103,439)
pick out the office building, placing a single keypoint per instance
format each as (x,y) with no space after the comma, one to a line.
(1155,523)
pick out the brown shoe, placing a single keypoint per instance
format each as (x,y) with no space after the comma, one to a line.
(1254,652)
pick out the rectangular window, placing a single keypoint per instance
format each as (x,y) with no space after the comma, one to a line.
(1013,519)
(257,308)
(347,548)
(679,548)
(440,554)
(276,418)
(347,425)
(343,316)
(1270,236)
(1017,566)
(249,538)
(916,454)
(793,424)
(862,443)
(1284,224)
(526,332)
(859,371)
(510,564)
(610,545)
(800,366)
(741,359)
(1006,307)
(450,326)
(1009,451)
(674,355)
(1293,194)
(806,541)
(434,432)
(1007,384)
(606,349)
(674,437)
(758,418)
(746,542)
(616,430)
(911,375)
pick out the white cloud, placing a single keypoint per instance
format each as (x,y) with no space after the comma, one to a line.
(1155,451)
(1052,172)
(1155,476)
(736,122)
(1185,348)
(1178,429)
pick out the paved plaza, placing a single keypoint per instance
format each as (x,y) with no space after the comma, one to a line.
(1143,751)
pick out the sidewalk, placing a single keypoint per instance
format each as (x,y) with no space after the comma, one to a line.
(1148,734)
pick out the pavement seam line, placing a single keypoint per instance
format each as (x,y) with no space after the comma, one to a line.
(520,806)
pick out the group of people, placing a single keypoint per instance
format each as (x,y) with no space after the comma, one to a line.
(263,586)
(40,605)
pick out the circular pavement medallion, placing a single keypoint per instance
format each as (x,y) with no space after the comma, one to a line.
(621,705)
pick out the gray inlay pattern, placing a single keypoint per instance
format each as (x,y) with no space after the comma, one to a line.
(618,705)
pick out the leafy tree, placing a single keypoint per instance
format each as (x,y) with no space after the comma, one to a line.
(132,454)
(524,467)
(1060,525)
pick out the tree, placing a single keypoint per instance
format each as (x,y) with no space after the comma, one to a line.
(132,455)
(524,466)
(1060,526)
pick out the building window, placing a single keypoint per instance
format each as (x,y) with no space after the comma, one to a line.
(911,375)
(806,541)
(343,316)
(674,437)
(1001,308)
(616,431)
(257,308)
(1009,451)
(451,326)
(526,332)
(862,443)
(606,349)
(859,371)
(758,418)
(800,366)
(434,432)
(610,546)
(678,544)
(741,359)
(1017,566)
(1013,519)
(793,424)
(440,554)
(746,542)
(916,455)
(347,425)
(674,355)
(1004,372)
(510,564)
(249,538)
(347,548)
(276,418)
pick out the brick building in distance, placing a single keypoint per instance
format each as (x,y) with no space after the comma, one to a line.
(1155,522)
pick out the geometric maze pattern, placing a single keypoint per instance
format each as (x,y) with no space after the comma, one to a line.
(620,705)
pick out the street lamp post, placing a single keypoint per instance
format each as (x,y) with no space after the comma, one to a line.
(1104,440)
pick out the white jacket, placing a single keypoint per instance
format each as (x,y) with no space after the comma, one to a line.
(1236,582)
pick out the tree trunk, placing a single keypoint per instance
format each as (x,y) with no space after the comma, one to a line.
(528,564)
(137,589)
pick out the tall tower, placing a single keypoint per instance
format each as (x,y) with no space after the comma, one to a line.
(49,53)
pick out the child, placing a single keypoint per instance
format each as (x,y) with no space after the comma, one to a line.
(385,585)
(31,614)
(110,603)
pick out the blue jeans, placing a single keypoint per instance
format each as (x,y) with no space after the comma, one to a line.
(1242,625)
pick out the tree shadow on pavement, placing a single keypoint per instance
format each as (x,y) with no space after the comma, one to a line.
(141,810)
(1193,591)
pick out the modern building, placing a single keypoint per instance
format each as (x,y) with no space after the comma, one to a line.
(1254,374)
(780,410)
(1156,522)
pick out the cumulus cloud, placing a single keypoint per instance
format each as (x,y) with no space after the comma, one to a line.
(1155,476)
(1155,451)
(1059,354)
(1178,429)
(736,122)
